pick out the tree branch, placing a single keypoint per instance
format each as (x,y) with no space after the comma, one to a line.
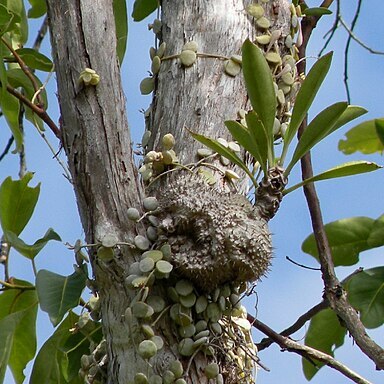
(310,353)
(333,288)
(299,323)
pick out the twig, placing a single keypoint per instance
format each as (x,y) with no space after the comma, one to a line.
(310,353)
(301,265)
(39,111)
(26,70)
(333,291)
(346,50)
(297,325)
(7,147)
(22,158)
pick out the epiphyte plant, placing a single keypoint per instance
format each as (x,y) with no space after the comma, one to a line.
(255,133)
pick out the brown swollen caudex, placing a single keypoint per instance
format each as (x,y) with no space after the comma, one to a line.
(218,237)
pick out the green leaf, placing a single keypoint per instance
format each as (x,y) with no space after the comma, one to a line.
(317,11)
(325,334)
(143,8)
(10,107)
(347,238)
(18,310)
(259,83)
(305,97)
(379,125)
(17,78)
(342,170)
(320,127)
(35,59)
(6,19)
(366,294)
(221,150)
(50,361)
(19,30)
(39,8)
(30,251)
(352,112)
(260,137)
(363,138)
(242,135)
(121,25)
(17,203)
(376,236)
(58,294)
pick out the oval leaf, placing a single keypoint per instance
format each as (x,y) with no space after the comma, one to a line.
(342,170)
(39,8)
(58,294)
(347,238)
(30,251)
(35,59)
(325,334)
(320,127)
(305,97)
(316,11)
(121,26)
(363,138)
(143,8)
(259,83)
(17,203)
(366,294)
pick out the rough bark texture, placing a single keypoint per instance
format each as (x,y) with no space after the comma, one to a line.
(96,136)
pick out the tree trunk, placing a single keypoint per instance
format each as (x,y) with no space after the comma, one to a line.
(97,142)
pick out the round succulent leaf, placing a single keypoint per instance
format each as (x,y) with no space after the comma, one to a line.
(187,57)
(161,50)
(172,294)
(105,254)
(211,370)
(155,66)
(180,381)
(204,333)
(134,269)
(156,302)
(152,233)
(204,152)
(147,330)
(288,78)
(201,325)
(216,328)
(140,378)
(191,46)
(177,368)
(153,220)
(147,349)
(199,342)
(164,267)
(201,304)
(147,85)
(146,265)
(263,23)
(133,214)
(141,242)
(255,10)
(153,254)
(168,377)
(185,347)
(263,39)
(188,301)
(273,58)
(158,340)
(184,287)
(237,59)
(187,331)
(168,141)
(232,68)
(142,310)
(166,250)
(150,203)
(213,312)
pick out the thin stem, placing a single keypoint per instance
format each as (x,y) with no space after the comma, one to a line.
(310,353)
(7,147)
(17,286)
(34,267)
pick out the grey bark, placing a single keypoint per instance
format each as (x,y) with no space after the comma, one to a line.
(96,135)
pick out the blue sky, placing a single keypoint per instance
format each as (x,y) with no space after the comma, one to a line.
(288,291)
